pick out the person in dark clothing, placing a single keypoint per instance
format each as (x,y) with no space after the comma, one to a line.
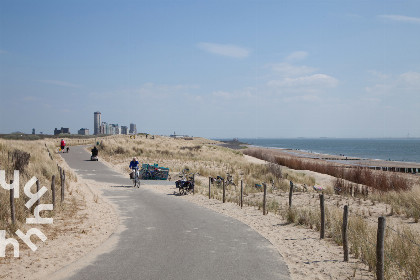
(94,151)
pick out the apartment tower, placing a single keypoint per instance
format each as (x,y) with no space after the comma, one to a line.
(96,123)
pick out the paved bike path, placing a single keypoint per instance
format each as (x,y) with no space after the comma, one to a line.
(166,237)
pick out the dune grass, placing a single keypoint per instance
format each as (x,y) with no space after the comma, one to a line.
(31,159)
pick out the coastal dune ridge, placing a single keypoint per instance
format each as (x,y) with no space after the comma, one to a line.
(294,231)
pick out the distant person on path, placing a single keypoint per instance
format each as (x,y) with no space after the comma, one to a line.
(67,149)
(94,151)
(62,144)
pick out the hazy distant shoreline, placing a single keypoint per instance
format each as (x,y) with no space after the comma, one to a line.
(398,150)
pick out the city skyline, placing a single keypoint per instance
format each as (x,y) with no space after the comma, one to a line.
(217,69)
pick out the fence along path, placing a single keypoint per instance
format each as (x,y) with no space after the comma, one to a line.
(381,253)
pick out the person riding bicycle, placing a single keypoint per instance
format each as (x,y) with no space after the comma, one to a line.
(134,165)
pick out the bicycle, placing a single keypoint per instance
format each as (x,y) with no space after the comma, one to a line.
(136,179)
(186,184)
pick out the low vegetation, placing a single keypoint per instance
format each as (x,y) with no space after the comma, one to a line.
(380,181)
(30,158)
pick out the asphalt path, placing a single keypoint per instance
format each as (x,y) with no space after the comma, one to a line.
(166,237)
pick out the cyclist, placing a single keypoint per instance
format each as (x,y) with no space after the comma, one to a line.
(134,165)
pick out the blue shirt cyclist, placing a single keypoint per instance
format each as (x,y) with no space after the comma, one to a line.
(134,164)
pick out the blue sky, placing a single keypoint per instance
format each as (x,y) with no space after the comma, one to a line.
(213,68)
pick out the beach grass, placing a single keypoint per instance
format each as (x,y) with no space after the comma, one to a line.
(31,158)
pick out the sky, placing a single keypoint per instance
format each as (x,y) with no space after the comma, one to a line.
(216,69)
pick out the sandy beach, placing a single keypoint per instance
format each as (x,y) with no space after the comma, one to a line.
(341,159)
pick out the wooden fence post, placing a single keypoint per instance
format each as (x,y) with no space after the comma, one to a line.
(321,200)
(344,233)
(264,198)
(380,249)
(209,187)
(242,194)
(53,190)
(290,194)
(12,203)
(63,181)
(193,179)
(224,192)
(37,190)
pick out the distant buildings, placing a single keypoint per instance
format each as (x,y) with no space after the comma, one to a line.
(97,123)
(83,131)
(115,129)
(110,129)
(33,130)
(63,130)
(104,128)
(133,129)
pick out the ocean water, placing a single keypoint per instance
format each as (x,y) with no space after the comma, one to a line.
(407,150)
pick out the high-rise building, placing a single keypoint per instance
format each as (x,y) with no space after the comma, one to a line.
(124,129)
(104,128)
(115,129)
(133,129)
(97,123)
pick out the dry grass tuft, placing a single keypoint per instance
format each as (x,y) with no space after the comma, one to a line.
(31,159)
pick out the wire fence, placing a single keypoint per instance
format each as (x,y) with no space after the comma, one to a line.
(402,265)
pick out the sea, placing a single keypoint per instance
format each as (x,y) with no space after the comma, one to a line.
(405,150)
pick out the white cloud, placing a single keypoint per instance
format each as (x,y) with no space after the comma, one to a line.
(287,69)
(401,18)
(296,56)
(225,50)
(59,83)
(312,82)
(410,79)
(407,83)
